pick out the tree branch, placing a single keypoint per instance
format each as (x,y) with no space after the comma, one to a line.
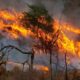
(11,46)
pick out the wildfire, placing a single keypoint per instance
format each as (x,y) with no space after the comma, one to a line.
(64,43)
(70,28)
(9,23)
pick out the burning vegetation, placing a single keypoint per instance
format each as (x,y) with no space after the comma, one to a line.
(10,22)
(47,32)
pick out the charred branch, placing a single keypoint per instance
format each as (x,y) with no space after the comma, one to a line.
(14,47)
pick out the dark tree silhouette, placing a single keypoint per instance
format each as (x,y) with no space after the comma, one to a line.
(16,48)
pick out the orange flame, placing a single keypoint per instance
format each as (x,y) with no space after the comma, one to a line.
(10,23)
(71,28)
(41,68)
(64,43)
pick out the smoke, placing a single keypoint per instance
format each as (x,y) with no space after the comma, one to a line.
(72,15)
(54,6)
(72,12)
(18,5)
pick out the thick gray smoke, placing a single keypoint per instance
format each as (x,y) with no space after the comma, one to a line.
(72,11)
(54,6)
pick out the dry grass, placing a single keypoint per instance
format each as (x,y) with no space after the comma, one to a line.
(17,74)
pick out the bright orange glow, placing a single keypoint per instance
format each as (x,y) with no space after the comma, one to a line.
(45,69)
(70,28)
(65,26)
(35,66)
(41,68)
(64,43)
(7,15)
(9,23)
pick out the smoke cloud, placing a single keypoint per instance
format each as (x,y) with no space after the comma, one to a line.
(54,6)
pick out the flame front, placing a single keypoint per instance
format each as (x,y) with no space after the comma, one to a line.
(10,24)
(64,43)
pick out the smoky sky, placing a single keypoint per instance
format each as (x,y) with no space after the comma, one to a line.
(55,8)
(19,5)
(16,4)
(72,12)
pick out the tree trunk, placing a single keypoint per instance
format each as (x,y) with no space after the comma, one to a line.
(57,63)
(51,76)
(66,73)
(32,59)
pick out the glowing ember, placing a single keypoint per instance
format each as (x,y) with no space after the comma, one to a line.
(37,67)
(41,68)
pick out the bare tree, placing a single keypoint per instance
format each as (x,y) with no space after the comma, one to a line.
(23,52)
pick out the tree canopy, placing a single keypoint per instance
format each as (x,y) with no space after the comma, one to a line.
(38,17)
